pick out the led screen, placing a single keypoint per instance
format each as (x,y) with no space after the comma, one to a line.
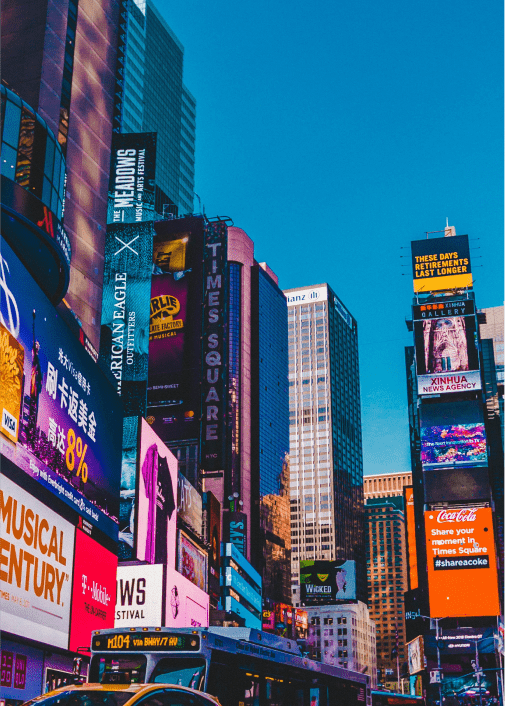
(452,435)
(139,595)
(186,605)
(192,561)
(441,264)
(175,329)
(93,590)
(462,577)
(156,519)
(323,582)
(408,493)
(69,430)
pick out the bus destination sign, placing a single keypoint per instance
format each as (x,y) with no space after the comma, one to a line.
(145,642)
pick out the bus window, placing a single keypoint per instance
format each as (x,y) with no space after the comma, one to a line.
(275,692)
(250,690)
(183,672)
(133,665)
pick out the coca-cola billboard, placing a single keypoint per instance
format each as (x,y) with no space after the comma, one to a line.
(461,557)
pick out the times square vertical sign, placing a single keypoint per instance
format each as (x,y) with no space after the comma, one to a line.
(215,342)
(124,336)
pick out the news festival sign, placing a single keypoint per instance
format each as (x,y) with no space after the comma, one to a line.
(64,421)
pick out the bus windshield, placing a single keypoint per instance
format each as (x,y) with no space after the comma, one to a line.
(133,665)
(180,671)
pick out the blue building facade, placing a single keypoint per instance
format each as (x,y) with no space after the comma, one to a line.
(240,587)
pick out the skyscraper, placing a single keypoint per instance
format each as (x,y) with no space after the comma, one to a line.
(326,478)
(154,99)
(386,485)
(387,579)
(59,56)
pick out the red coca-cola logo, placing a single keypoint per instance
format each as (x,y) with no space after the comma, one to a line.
(466,515)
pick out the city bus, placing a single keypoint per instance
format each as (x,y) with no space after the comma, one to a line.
(240,666)
(388,698)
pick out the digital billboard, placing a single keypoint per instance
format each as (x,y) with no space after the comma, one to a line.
(189,506)
(128,489)
(460,550)
(446,349)
(156,516)
(139,595)
(12,358)
(213,525)
(441,263)
(93,590)
(192,561)
(187,605)
(36,567)
(415,650)
(453,434)
(408,496)
(323,582)
(215,342)
(69,432)
(124,336)
(235,530)
(175,329)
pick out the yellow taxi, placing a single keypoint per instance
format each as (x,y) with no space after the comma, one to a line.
(124,695)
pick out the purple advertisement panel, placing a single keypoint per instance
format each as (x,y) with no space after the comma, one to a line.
(156,523)
(70,424)
(173,395)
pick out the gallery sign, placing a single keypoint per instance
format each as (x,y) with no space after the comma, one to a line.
(36,569)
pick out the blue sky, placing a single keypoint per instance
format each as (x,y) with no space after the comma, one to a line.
(334,133)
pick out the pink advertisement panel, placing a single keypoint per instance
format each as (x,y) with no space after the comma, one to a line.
(187,605)
(156,524)
(94,590)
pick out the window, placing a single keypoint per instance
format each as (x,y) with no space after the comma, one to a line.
(184,672)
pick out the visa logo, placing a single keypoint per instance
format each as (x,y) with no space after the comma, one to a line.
(9,423)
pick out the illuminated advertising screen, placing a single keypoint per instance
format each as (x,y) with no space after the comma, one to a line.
(156,517)
(12,358)
(268,621)
(175,329)
(192,561)
(446,348)
(452,434)
(235,530)
(128,489)
(415,650)
(408,496)
(215,341)
(460,550)
(69,432)
(441,263)
(124,332)
(93,590)
(139,595)
(187,605)
(213,524)
(36,568)
(189,506)
(323,582)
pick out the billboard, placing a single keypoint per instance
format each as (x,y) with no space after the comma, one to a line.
(36,567)
(128,489)
(192,561)
(189,506)
(156,516)
(415,650)
(408,496)
(93,590)
(460,550)
(235,530)
(187,605)
(460,641)
(446,349)
(69,432)
(441,263)
(453,434)
(175,329)
(11,391)
(307,296)
(323,582)
(215,342)
(139,596)
(213,524)
(124,335)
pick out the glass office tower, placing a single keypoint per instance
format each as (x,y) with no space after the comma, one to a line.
(326,478)
(155,99)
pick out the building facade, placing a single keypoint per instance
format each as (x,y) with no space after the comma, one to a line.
(343,636)
(60,57)
(326,477)
(387,581)
(154,99)
(385,485)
